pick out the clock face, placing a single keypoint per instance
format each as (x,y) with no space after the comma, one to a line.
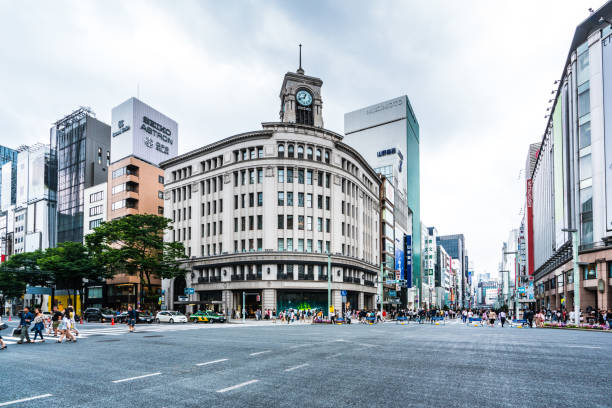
(303,97)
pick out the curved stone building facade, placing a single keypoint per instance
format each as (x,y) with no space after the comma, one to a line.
(259,212)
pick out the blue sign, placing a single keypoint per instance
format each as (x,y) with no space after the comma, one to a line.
(38,290)
(399,260)
(408,257)
(189,291)
(343,292)
(392,293)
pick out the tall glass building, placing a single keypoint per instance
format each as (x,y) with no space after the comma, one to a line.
(82,144)
(8,155)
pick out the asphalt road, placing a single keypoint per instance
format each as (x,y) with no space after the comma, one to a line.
(311,366)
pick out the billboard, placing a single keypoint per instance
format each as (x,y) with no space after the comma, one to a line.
(408,258)
(607,111)
(139,130)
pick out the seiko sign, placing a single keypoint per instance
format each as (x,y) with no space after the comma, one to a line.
(122,128)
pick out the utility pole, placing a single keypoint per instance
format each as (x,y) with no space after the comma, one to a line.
(574,232)
(243,307)
(381,289)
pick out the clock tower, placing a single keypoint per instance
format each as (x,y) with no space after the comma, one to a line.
(300,97)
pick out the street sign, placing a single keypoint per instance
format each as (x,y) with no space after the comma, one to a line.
(189,291)
(392,293)
(183,298)
(343,292)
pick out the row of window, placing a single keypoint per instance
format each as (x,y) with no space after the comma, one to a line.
(242,200)
(181,193)
(289,201)
(97,196)
(252,175)
(95,223)
(97,210)
(303,222)
(211,229)
(212,185)
(250,153)
(349,231)
(211,207)
(303,176)
(317,154)
(181,173)
(243,226)
(186,212)
(300,245)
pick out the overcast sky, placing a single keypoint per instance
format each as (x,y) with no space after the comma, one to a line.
(479,75)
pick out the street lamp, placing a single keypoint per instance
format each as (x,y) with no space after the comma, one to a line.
(516,302)
(574,232)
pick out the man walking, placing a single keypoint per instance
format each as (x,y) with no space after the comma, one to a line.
(131,319)
(502,317)
(26,320)
(56,319)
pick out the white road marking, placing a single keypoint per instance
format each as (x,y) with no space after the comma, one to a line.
(4,404)
(212,362)
(260,352)
(136,378)
(334,355)
(296,367)
(586,347)
(233,387)
(298,346)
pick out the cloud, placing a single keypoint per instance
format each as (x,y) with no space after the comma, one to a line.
(478,74)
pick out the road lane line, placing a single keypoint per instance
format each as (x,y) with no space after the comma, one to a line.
(136,378)
(212,362)
(4,404)
(296,367)
(233,387)
(260,352)
(587,347)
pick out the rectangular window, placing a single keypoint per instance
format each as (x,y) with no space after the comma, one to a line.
(327,203)
(243,223)
(308,200)
(281,244)
(309,245)
(281,222)
(160,195)
(289,175)
(281,198)
(300,199)
(260,152)
(259,245)
(281,175)
(289,244)
(251,200)
(301,176)
(327,225)
(327,246)
(97,196)
(160,179)
(259,199)
(235,202)
(327,180)
(290,198)
(584,132)
(251,176)
(583,67)
(320,202)
(320,224)
(259,176)
(236,224)
(319,246)
(584,100)
(300,222)
(309,223)
(121,187)
(309,177)
(289,221)
(586,170)
(95,223)
(251,223)
(160,210)
(260,222)
(300,247)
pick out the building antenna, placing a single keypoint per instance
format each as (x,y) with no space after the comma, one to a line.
(300,70)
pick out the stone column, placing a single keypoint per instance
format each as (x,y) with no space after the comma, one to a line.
(227,297)
(360,301)
(337,300)
(268,299)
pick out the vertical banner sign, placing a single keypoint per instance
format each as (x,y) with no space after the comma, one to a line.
(408,257)
(530,254)
(607,101)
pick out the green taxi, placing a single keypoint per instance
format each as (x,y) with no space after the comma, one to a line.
(207,316)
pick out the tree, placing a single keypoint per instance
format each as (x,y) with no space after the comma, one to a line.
(135,245)
(69,264)
(19,271)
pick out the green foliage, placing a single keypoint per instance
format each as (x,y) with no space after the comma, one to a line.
(134,245)
(20,270)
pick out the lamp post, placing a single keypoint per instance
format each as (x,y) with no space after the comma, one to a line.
(516,302)
(574,232)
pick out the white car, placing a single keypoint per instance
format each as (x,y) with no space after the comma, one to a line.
(170,316)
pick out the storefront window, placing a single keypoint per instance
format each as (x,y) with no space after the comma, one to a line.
(590,271)
(94,292)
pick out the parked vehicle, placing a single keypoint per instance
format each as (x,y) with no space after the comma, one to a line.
(170,316)
(98,314)
(144,317)
(207,316)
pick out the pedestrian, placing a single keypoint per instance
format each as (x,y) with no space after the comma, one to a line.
(73,328)
(64,328)
(132,315)
(492,317)
(502,317)
(2,327)
(39,325)
(55,320)
(24,324)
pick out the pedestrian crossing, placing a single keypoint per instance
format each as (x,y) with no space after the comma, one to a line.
(118,330)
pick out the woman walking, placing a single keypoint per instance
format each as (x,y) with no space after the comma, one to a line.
(39,324)
(65,328)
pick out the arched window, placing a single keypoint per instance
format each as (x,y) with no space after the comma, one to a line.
(281,150)
(327,156)
(318,155)
(300,152)
(309,153)
(290,151)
